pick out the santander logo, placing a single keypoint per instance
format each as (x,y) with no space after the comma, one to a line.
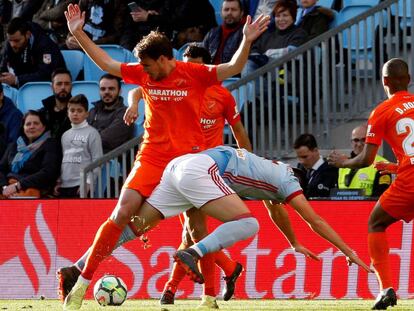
(32,274)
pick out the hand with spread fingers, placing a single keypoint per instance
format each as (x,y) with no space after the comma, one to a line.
(337,159)
(75,18)
(131,114)
(252,30)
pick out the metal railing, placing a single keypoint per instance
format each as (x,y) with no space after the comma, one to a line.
(315,88)
(325,82)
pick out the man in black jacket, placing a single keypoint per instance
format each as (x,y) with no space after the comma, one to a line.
(320,177)
(222,41)
(55,106)
(29,55)
(108,113)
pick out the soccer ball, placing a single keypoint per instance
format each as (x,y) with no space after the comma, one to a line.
(110,290)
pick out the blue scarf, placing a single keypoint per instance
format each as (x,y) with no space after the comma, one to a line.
(24,152)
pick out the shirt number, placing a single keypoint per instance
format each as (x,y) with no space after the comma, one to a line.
(403,126)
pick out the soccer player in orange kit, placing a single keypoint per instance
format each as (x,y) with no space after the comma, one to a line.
(392,121)
(173,92)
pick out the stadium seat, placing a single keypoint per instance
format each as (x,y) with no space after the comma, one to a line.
(89,88)
(139,123)
(93,72)
(10,92)
(125,88)
(326,3)
(371,3)
(217,4)
(348,13)
(74,61)
(30,95)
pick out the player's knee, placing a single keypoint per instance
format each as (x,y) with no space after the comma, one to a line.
(250,226)
(122,214)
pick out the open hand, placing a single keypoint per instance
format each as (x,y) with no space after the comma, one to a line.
(252,30)
(75,18)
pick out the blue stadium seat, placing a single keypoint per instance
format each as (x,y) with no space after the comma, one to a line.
(74,61)
(326,3)
(139,123)
(10,92)
(350,12)
(30,95)
(88,88)
(93,73)
(125,88)
(217,4)
(371,3)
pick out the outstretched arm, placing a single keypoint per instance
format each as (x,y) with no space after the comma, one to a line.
(280,218)
(365,158)
(321,227)
(251,31)
(76,20)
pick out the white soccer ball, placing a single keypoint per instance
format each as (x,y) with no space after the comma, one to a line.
(110,290)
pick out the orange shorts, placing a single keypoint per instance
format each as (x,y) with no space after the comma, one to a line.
(398,204)
(144,177)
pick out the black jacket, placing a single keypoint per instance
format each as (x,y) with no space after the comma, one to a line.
(110,124)
(213,39)
(316,22)
(40,171)
(37,62)
(57,122)
(322,181)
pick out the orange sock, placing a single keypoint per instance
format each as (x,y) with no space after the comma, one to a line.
(379,252)
(224,262)
(208,268)
(103,245)
(177,274)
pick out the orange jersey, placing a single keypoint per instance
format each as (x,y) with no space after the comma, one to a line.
(393,121)
(219,106)
(172,109)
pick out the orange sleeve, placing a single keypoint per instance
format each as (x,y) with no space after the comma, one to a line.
(375,131)
(231,112)
(133,73)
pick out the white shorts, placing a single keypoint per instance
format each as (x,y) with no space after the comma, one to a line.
(187,181)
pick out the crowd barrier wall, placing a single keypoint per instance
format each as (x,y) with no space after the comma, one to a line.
(41,235)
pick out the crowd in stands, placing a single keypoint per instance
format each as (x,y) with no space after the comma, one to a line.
(35,32)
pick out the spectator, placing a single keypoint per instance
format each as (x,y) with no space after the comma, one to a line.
(256,7)
(320,177)
(314,19)
(103,22)
(51,18)
(18,8)
(55,106)
(108,113)
(278,41)
(30,166)
(81,146)
(190,20)
(10,120)
(367,178)
(29,54)
(141,22)
(222,41)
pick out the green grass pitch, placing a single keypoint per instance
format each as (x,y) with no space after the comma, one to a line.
(181,305)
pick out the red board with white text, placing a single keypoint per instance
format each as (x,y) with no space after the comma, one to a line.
(40,236)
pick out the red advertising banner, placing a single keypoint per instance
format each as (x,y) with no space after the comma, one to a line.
(40,236)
